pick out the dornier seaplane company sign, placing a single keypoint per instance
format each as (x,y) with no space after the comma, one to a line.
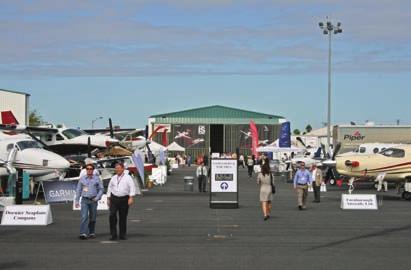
(355,136)
(359,202)
(27,215)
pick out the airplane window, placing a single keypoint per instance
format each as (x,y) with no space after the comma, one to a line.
(393,152)
(47,138)
(27,145)
(59,137)
(73,133)
(9,147)
(362,150)
(376,150)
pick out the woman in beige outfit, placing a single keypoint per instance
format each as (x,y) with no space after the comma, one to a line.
(266,191)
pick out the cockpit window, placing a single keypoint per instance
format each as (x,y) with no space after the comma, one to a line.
(393,152)
(73,133)
(27,145)
(362,150)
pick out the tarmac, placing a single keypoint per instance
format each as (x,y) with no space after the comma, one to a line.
(172,229)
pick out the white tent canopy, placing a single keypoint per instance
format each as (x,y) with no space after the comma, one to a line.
(175,147)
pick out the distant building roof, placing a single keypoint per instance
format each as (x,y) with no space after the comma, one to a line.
(216,114)
(321,132)
(15,92)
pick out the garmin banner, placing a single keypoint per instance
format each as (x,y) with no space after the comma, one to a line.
(59,191)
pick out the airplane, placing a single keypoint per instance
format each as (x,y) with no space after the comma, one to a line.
(19,151)
(61,140)
(394,162)
(184,135)
(246,134)
(196,141)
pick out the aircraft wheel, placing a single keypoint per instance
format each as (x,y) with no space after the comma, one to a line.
(406,195)
(376,185)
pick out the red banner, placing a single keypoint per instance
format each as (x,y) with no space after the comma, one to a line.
(164,138)
(254,138)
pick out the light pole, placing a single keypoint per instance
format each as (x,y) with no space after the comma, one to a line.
(95,120)
(329,29)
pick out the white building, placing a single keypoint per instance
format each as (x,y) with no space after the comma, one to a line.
(17,102)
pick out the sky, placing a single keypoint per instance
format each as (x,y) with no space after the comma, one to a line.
(130,59)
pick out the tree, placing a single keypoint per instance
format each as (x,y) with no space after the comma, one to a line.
(35,119)
(308,128)
(297,132)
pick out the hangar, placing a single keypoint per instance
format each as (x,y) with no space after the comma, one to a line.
(17,102)
(213,129)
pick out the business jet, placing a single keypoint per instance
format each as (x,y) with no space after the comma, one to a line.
(394,162)
(19,151)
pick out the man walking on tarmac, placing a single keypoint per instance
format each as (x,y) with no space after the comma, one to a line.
(120,193)
(302,179)
(317,180)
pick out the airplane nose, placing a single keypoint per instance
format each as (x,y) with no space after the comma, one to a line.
(57,162)
(45,158)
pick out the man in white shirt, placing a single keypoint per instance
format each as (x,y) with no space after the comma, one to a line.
(120,196)
(202,177)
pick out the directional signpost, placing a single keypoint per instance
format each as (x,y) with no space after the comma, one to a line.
(224,183)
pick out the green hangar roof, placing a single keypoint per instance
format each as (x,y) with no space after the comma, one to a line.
(216,115)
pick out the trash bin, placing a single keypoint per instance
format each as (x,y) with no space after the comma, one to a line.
(189,183)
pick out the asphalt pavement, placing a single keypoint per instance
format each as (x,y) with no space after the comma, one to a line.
(172,229)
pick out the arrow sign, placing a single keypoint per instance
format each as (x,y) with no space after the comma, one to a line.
(224,186)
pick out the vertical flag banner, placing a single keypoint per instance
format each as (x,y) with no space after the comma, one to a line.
(254,138)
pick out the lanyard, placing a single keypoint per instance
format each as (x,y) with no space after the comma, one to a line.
(119,178)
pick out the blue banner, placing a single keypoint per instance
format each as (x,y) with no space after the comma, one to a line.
(285,135)
(59,191)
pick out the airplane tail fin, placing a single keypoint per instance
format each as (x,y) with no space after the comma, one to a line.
(285,135)
(8,118)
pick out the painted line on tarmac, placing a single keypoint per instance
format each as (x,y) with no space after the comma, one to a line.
(109,242)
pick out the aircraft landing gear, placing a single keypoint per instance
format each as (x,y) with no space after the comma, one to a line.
(406,195)
(351,185)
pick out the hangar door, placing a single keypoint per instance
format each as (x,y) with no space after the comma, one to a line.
(217,138)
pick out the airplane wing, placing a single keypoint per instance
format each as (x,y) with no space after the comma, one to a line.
(116,131)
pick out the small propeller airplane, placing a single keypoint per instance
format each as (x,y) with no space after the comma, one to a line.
(394,162)
(61,140)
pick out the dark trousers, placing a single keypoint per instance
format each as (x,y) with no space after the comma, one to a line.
(250,170)
(317,191)
(202,182)
(118,205)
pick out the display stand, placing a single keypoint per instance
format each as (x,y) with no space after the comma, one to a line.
(224,184)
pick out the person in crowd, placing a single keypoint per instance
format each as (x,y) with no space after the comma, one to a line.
(250,166)
(265,180)
(189,160)
(202,173)
(302,179)
(120,196)
(317,177)
(90,189)
(241,161)
(83,171)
